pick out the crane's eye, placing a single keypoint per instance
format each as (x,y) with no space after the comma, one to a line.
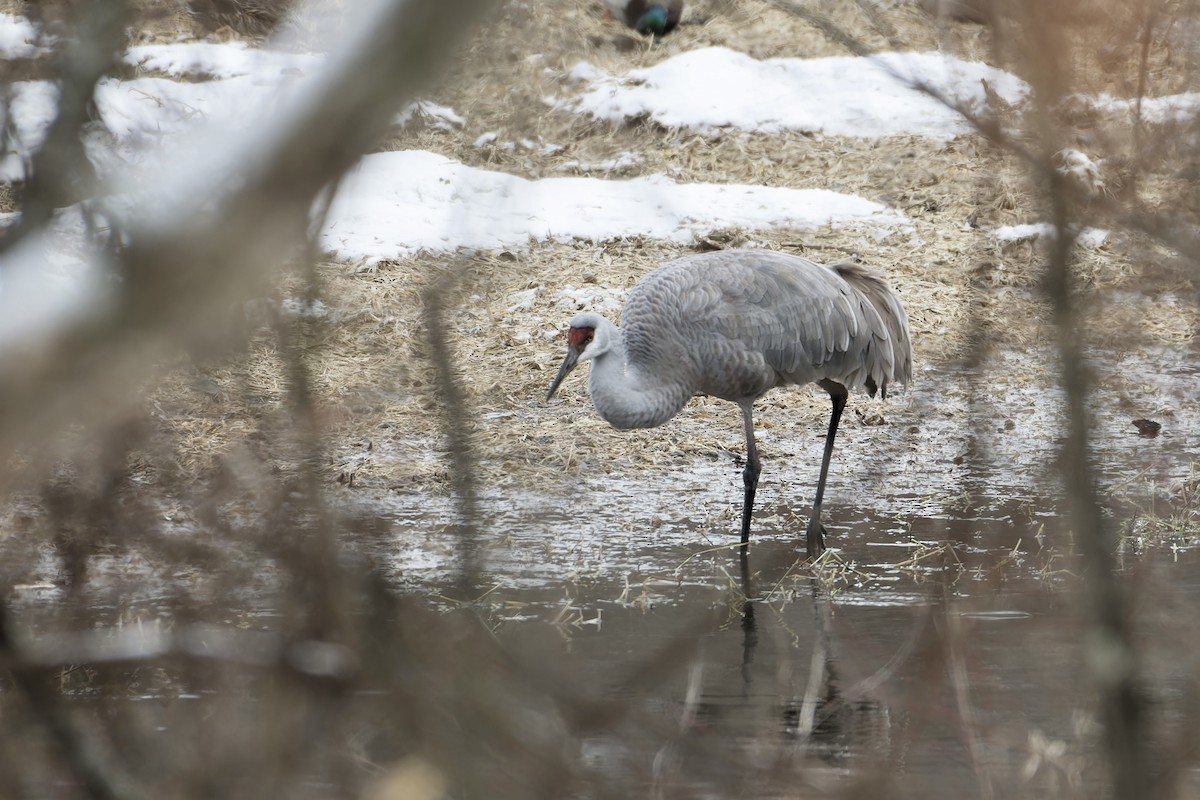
(580,337)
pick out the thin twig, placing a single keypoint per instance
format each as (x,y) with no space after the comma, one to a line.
(456,424)
(99,778)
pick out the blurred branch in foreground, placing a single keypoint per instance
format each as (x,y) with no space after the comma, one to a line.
(276,646)
(1111,654)
(1041,40)
(213,227)
(182,261)
(59,172)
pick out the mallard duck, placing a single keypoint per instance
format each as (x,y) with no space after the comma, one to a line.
(648,16)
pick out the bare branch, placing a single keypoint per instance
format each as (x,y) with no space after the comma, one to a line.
(178,275)
(60,172)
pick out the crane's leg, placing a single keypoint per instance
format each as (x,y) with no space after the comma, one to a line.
(815,540)
(749,474)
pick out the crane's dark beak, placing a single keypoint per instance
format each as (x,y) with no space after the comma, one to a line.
(568,364)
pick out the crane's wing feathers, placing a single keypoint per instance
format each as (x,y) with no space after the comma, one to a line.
(890,328)
(758,318)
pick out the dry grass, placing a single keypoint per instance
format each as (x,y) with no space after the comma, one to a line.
(371,374)
(303,662)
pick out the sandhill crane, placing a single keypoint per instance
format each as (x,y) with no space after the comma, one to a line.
(735,324)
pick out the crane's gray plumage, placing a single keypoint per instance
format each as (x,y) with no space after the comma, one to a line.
(734,324)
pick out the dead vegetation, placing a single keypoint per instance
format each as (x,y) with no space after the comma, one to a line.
(960,284)
(210,527)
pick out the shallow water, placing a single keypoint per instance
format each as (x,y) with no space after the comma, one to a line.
(938,652)
(965,456)
(950,620)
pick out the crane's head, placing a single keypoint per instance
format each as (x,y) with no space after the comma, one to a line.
(587,338)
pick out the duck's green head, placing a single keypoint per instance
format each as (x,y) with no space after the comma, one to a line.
(653,21)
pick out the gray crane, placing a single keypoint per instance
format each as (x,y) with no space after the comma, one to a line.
(735,324)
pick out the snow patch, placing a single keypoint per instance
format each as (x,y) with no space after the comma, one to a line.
(47,277)
(601,299)
(1080,168)
(438,117)
(621,162)
(714,88)
(20,38)
(523,301)
(396,204)
(32,106)
(1158,110)
(1023,233)
(1088,238)
(219,60)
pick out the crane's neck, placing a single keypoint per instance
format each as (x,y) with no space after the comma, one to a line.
(629,397)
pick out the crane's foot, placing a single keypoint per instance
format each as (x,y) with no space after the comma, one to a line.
(815,538)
